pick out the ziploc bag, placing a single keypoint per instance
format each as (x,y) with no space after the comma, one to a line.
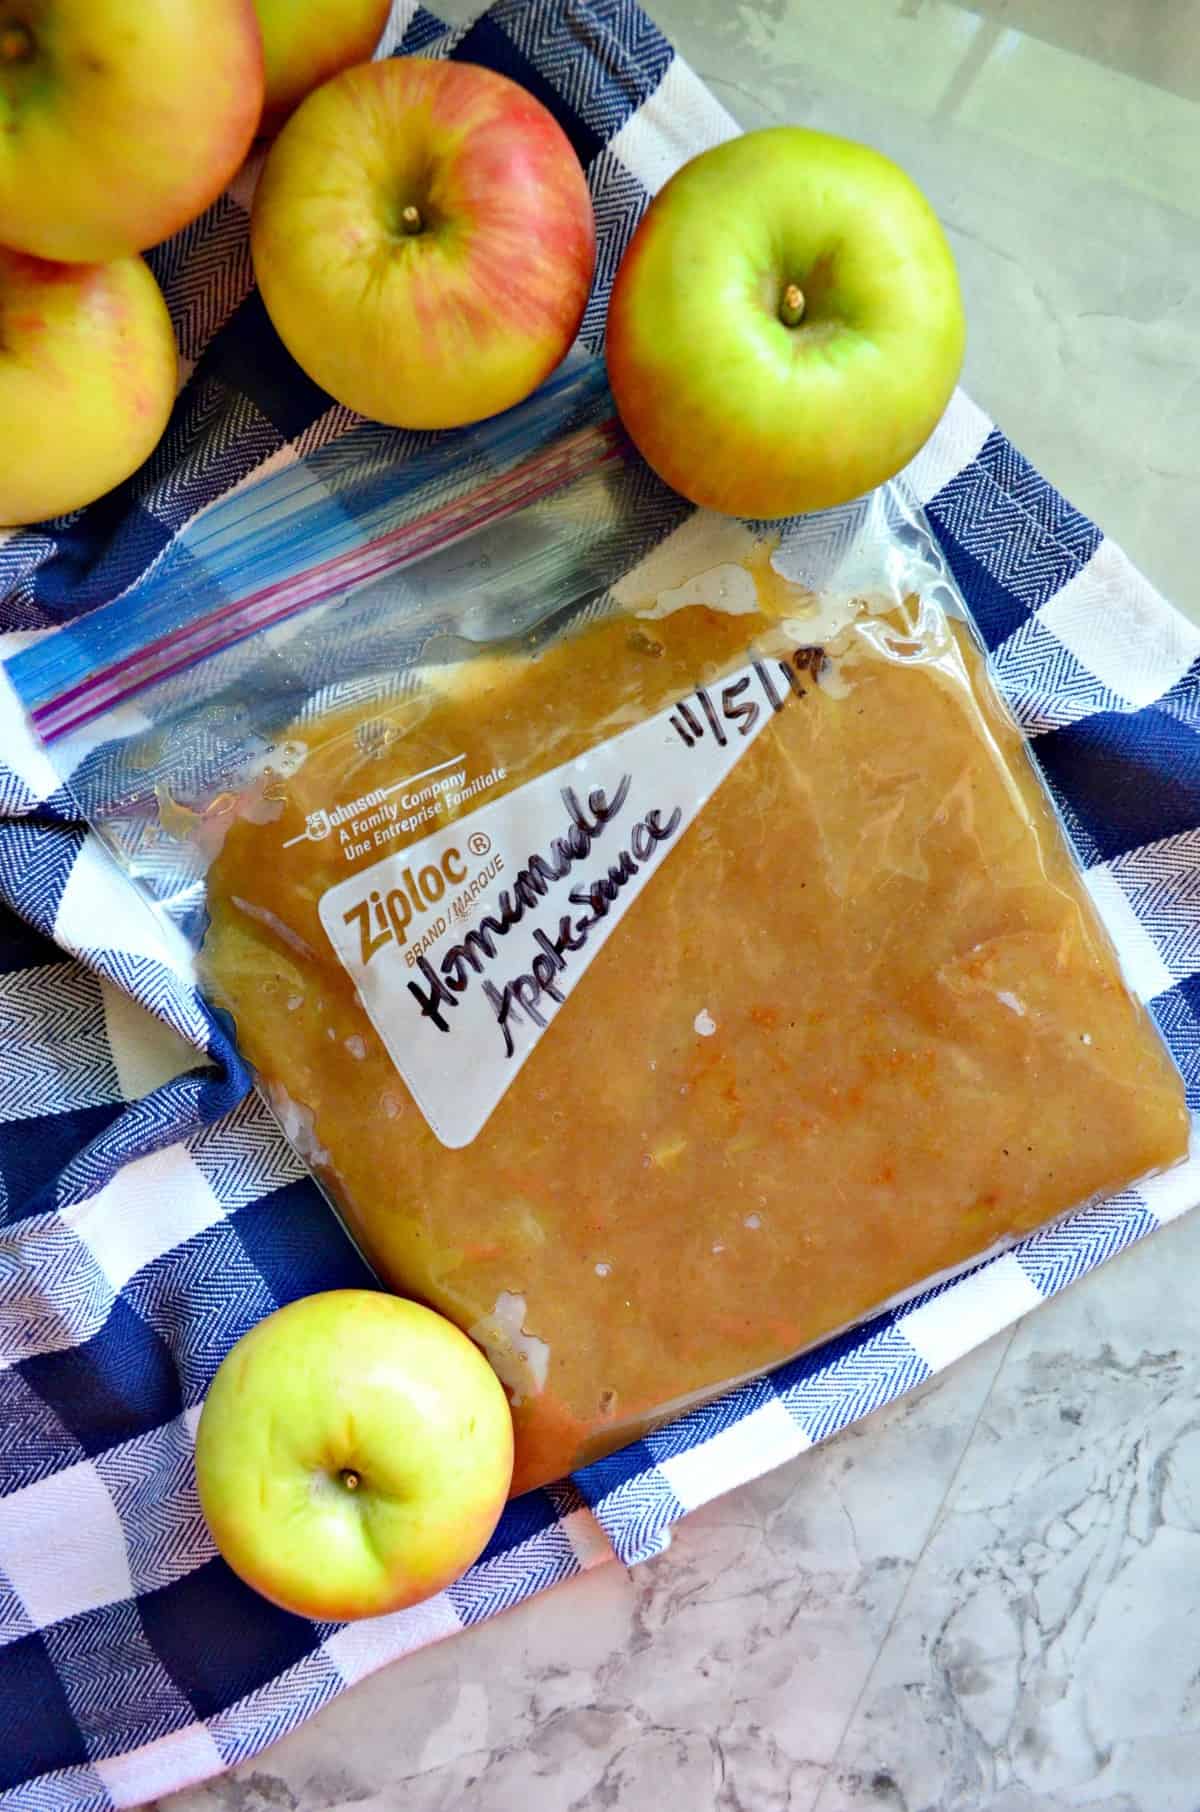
(650,928)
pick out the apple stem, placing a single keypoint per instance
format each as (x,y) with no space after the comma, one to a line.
(15,44)
(350,1478)
(410,219)
(791,309)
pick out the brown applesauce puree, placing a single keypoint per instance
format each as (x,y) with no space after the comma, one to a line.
(862,1024)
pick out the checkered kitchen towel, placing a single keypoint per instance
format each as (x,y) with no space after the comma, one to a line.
(150,1212)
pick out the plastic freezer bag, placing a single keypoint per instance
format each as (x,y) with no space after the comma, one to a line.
(652,932)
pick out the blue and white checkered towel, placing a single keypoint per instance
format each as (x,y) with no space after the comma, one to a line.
(149,1210)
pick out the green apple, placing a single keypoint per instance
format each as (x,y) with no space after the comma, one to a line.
(120,120)
(307,41)
(786,326)
(353,1455)
(88,373)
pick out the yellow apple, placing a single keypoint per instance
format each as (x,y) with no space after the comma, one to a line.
(786,326)
(88,372)
(307,41)
(353,1455)
(120,120)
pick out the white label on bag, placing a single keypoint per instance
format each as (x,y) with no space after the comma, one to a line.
(463,947)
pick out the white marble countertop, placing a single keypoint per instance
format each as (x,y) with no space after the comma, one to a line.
(987,1597)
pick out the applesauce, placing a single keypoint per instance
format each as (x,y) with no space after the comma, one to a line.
(851,1021)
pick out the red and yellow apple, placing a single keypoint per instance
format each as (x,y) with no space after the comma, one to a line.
(88,373)
(423,239)
(307,41)
(785,328)
(120,120)
(354,1454)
